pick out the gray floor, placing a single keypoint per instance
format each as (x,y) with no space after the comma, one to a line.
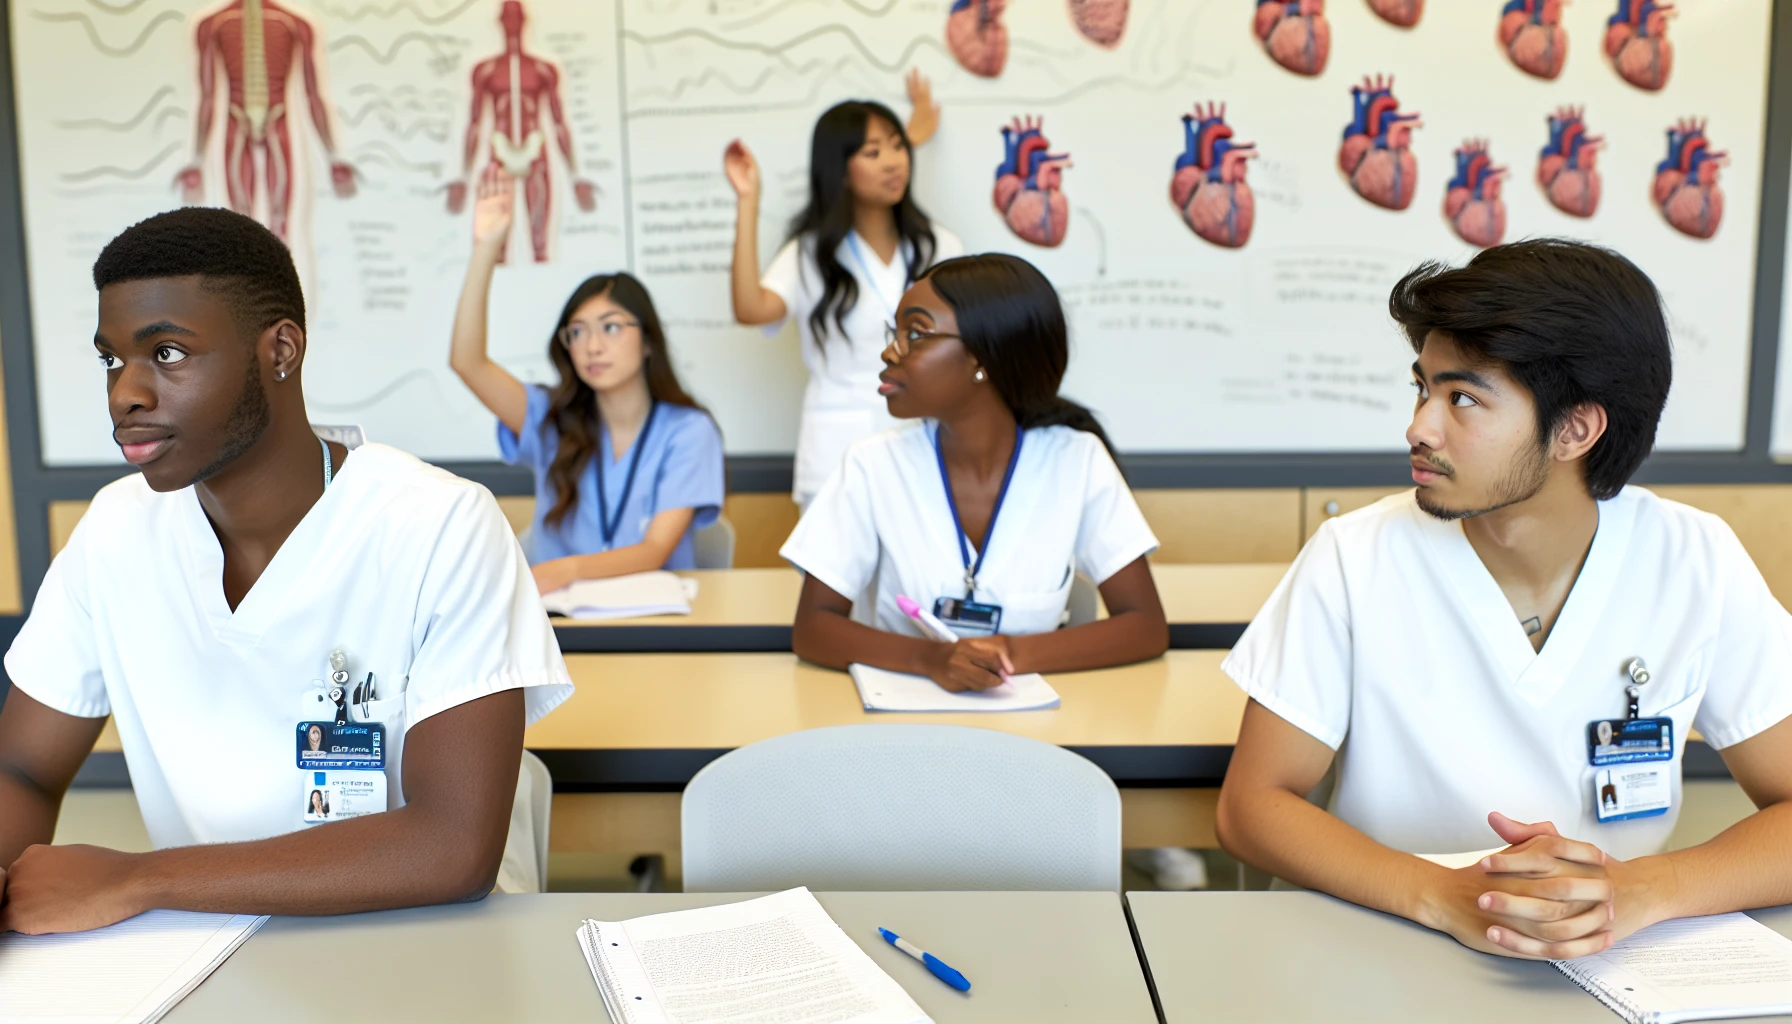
(108,817)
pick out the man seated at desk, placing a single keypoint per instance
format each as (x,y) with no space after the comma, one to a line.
(277,627)
(1479,659)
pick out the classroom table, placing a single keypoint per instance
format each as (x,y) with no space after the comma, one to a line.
(1296,957)
(746,610)
(1040,957)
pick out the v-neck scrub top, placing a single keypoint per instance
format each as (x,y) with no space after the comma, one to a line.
(841,404)
(881,528)
(1390,642)
(681,467)
(412,571)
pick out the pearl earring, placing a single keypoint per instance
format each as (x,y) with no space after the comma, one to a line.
(979,375)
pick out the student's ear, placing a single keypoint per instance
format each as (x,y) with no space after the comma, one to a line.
(284,344)
(1582,428)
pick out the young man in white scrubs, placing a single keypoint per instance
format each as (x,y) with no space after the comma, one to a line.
(1465,654)
(199,603)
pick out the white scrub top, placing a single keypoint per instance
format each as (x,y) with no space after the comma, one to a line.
(841,404)
(412,571)
(1390,642)
(882,528)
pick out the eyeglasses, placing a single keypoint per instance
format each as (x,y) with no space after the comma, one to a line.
(903,339)
(576,334)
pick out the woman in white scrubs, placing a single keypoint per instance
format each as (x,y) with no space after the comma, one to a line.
(858,244)
(984,509)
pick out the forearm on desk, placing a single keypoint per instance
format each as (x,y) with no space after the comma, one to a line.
(1118,640)
(832,640)
(1742,868)
(27,814)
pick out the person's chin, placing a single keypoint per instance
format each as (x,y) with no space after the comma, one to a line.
(167,474)
(1437,506)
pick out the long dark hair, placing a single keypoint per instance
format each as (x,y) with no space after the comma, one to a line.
(572,405)
(1010,318)
(839,133)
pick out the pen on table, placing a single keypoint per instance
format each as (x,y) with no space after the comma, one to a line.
(934,963)
(930,623)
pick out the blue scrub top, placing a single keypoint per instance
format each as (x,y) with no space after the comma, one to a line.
(681,467)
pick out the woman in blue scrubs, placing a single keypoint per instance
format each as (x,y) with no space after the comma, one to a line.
(627,465)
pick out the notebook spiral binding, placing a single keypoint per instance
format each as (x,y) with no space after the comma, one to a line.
(1616,1002)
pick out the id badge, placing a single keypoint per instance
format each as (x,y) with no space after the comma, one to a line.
(968,618)
(1634,766)
(343,768)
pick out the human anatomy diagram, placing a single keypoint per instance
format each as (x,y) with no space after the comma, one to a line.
(1567,168)
(256,44)
(1376,155)
(1029,190)
(1532,34)
(1404,13)
(977,37)
(1209,188)
(1472,202)
(1636,40)
(518,88)
(1295,34)
(1686,182)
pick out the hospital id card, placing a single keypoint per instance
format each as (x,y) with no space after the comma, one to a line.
(1634,766)
(343,769)
(357,746)
(329,795)
(968,618)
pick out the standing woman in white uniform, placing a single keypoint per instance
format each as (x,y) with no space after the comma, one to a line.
(984,509)
(858,244)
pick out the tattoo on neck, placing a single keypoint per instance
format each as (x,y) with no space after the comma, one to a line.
(1533,626)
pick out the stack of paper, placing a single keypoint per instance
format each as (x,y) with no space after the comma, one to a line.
(131,973)
(883,690)
(1696,968)
(777,958)
(623,597)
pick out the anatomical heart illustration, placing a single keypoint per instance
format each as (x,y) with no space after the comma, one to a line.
(1295,33)
(1208,188)
(1636,40)
(1567,168)
(1531,33)
(1376,155)
(977,37)
(1404,13)
(1029,193)
(1102,21)
(1686,182)
(1472,202)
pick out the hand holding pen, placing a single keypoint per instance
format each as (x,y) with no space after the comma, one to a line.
(972,663)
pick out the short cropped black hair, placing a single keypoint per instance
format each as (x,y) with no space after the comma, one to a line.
(233,255)
(1573,323)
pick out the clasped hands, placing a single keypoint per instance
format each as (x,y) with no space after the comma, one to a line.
(1543,897)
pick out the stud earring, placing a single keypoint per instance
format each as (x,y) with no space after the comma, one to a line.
(280,375)
(979,375)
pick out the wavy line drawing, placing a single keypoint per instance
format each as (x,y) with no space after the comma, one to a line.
(93,32)
(866,9)
(352,14)
(435,131)
(76,177)
(360,404)
(777,50)
(116,8)
(383,153)
(676,92)
(391,110)
(434,42)
(440,95)
(120,126)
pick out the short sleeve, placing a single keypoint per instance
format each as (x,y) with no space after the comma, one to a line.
(692,474)
(836,540)
(480,628)
(1112,533)
(54,659)
(525,446)
(1749,684)
(784,276)
(1295,658)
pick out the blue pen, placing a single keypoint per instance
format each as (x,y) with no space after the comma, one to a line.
(934,963)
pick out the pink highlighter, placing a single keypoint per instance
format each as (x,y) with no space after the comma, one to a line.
(930,623)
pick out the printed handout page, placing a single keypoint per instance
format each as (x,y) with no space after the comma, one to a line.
(778,959)
(132,972)
(1696,968)
(883,690)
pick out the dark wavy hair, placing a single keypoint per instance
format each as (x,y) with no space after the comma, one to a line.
(572,405)
(839,133)
(1010,318)
(1571,322)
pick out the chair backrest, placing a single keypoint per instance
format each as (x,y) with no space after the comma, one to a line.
(901,807)
(1085,601)
(714,545)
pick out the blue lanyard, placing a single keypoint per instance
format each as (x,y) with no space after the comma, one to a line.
(605,523)
(971,568)
(858,256)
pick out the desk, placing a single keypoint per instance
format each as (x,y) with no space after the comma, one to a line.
(1299,956)
(1208,607)
(1040,957)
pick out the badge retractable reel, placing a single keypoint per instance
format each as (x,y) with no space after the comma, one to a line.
(342,763)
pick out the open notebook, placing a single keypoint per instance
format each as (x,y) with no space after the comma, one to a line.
(623,597)
(1695,968)
(883,690)
(777,958)
(130,973)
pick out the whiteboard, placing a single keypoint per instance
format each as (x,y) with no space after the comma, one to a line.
(1178,344)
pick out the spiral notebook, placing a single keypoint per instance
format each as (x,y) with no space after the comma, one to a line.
(777,958)
(883,690)
(1695,968)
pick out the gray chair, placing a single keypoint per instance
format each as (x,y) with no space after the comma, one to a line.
(1085,601)
(901,807)
(525,865)
(714,545)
